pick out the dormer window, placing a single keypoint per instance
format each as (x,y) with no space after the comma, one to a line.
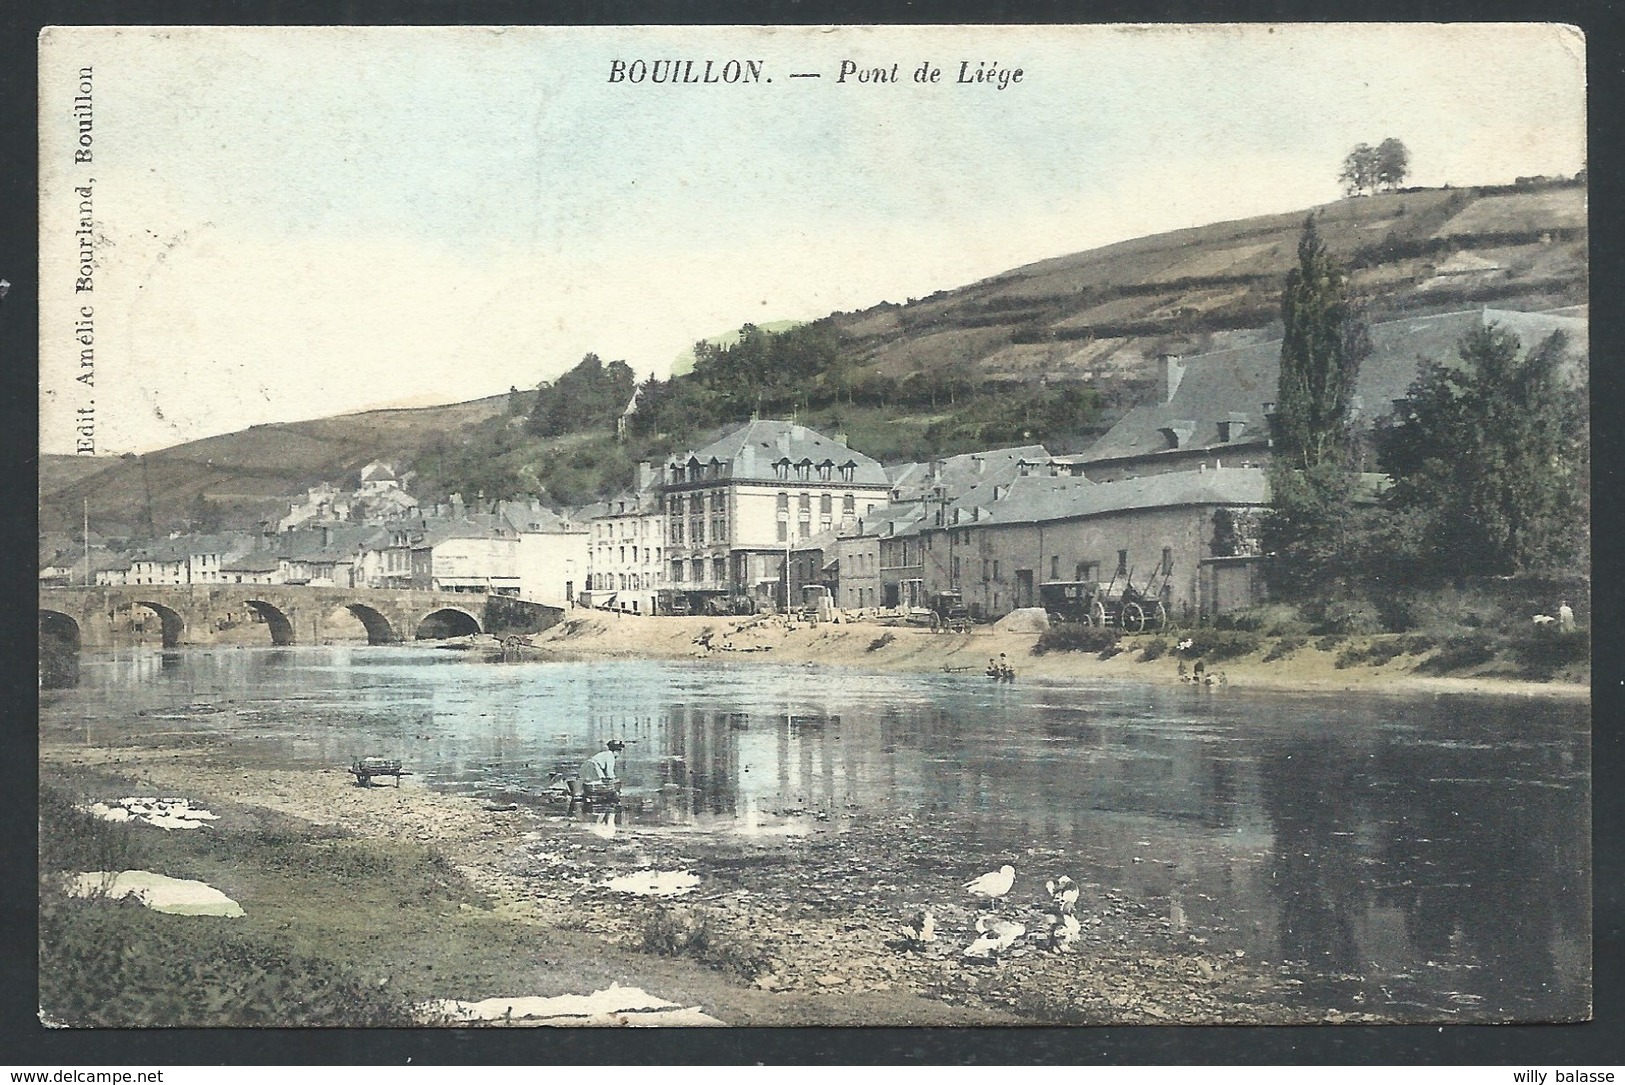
(1231,429)
(825,469)
(781,468)
(714,468)
(1177,434)
(804,470)
(849,471)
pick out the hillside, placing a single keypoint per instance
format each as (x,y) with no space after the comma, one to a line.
(1104,315)
(245,475)
(1094,320)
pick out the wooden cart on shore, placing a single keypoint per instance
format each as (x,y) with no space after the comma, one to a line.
(365,768)
(1088,602)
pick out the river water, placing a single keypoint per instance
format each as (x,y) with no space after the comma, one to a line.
(1428,852)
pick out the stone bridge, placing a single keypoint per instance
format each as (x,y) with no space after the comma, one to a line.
(197,613)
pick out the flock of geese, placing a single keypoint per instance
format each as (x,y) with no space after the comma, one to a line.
(995,934)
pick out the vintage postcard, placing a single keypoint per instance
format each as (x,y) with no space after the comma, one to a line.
(800,526)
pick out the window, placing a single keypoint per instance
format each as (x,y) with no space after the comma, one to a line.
(781,469)
(849,471)
(826,502)
(804,528)
(784,531)
(805,503)
(677,571)
(1167,560)
(995,570)
(848,504)
(1055,567)
(1122,563)
(784,502)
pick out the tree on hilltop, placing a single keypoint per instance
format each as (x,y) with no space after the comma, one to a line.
(1393,164)
(1368,169)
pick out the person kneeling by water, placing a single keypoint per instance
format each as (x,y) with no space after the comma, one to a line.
(599,769)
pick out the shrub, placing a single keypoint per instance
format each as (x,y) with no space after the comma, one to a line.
(1284,647)
(690,932)
(1350,617)
(106,964)
(1376,652)
(1417,643)
(1543,654)
(1075,638)
(1216,644)
(1461,652)
(1155,648)
(882,640)
(1329,642)
(72,839)
(1276,619)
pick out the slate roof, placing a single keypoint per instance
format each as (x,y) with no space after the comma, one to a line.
(534,516)
(749,453)
(958,474)
(1040,498)
(1234,385)
(338,542)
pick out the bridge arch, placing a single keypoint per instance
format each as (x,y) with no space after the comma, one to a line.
(278,623)
(445,622)
(379,631)
(174,626)
(59,643)
(61,627)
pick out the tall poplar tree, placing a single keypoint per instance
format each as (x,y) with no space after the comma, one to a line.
(1314,470)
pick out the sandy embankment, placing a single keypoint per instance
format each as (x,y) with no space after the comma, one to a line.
(874,645)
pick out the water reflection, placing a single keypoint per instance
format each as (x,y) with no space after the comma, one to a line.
(1428,853)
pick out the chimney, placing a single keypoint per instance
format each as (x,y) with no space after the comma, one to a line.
(981,464)
(783,441)
(1173,371)
(840,439)
(646,474)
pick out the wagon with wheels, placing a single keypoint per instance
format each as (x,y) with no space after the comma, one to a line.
(1132,609)
(948,612)
(1111,605)
(365,768)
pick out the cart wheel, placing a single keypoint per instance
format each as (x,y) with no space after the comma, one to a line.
(1096,615)
(1160,617)
(1134,617)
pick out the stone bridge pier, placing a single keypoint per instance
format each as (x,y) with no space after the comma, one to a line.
(197,613)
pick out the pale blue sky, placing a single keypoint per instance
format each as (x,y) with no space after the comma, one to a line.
(301,222)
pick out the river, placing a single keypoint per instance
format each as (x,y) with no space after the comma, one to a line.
(1430,853)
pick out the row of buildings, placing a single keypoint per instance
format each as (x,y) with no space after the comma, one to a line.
(1168,500)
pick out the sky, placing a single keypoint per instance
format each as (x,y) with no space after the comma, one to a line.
(297,222)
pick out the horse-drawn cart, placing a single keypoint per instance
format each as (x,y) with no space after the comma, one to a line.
(1088,602)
